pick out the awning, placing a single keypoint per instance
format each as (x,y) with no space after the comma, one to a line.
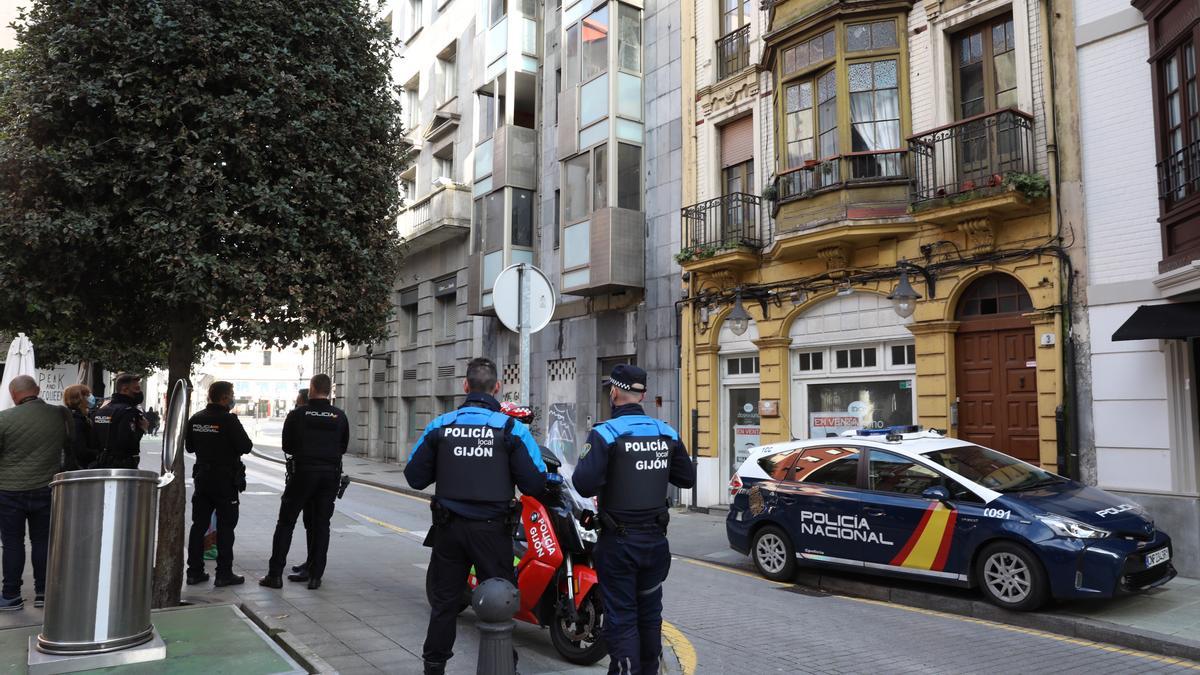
(1172,321)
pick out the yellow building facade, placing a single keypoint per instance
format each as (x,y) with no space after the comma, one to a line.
(898,148)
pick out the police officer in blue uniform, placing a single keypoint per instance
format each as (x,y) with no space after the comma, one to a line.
(473,455)
(627,462)
(118,425)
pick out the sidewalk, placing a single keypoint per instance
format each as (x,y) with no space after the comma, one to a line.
(1165,620)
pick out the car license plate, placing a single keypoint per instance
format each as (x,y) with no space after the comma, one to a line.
(1158,557)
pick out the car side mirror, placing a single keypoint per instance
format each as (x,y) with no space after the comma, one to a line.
(938,492)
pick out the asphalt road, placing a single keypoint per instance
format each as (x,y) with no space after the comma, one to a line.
(719,620)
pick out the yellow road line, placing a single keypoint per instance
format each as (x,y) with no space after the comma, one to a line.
(393,528)
(731,570)
(682,647)
(1183,663)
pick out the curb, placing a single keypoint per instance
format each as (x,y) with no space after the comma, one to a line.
(1071,626)
(296,649)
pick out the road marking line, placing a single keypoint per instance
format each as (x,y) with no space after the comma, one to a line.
(393,528)
(684,651)
(423,500)
(1032,632)
(965,619)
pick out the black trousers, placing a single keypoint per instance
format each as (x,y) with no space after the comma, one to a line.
(457,546)
(316,489)
(208,495)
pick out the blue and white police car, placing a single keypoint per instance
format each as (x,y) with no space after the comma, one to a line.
(921,505)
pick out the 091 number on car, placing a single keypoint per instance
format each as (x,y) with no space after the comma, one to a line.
(1002,514)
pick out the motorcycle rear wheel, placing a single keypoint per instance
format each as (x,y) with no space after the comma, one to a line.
(579,641)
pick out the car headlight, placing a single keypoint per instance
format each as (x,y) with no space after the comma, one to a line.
(1067,527)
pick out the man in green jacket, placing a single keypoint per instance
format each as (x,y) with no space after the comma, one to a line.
(32,438)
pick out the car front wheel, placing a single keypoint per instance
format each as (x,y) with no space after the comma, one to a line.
(773,554)
(1012,577)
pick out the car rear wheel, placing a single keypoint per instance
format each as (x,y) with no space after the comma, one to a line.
(773,554)
(1011,577)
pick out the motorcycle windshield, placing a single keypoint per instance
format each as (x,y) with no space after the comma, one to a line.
(564,443)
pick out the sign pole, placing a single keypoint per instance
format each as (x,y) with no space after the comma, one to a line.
(523,320)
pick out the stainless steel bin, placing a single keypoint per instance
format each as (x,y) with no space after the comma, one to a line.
(98,581)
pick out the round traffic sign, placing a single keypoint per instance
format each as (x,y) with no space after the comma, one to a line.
(506,297)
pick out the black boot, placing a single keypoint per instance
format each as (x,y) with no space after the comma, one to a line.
(229,580)
(302,567)
(302,575)
(271,581)
(435,668)
(314,583)
(194,578)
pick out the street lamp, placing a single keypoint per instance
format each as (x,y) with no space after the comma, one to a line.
(904,298)
(739,320)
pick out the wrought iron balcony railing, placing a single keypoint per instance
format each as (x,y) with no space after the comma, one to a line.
(733,52)
(854,167)
(973,154)
(727,222)
(1179,174)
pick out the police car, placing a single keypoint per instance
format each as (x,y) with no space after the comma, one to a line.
(920,505)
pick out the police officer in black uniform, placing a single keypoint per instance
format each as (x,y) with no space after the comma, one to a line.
(316,436)
(217,438)
(300,572)
(474,455)
(627,462)
(118,425)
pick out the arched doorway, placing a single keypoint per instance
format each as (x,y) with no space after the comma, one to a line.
(997,367)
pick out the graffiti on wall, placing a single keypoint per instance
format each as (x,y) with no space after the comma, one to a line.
(560,432)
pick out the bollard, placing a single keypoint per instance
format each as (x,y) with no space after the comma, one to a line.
(495,601)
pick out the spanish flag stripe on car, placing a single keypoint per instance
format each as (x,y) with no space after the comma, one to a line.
(929,545)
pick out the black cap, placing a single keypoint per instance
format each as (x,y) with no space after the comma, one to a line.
(629,378)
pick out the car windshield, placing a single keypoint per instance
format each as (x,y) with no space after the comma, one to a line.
(991,469)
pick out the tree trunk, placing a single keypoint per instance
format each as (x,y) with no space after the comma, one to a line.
(168,555)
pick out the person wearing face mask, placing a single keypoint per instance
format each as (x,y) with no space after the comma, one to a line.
(118,425)
(78,398)
(217,438)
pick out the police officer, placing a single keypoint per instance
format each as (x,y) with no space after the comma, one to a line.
(316,436)
(627,462)
(218,440)
(474,455)
(300,572)
(118,425)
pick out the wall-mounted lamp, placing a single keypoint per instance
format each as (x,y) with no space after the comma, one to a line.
(845,289)
(904,298)
(798,297)
(739,320)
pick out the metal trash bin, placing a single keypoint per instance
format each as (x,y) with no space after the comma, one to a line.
(101,570)
(101,566)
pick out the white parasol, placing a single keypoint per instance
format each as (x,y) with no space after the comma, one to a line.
(19,362)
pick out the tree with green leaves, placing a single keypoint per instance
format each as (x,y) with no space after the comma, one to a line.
(179,176)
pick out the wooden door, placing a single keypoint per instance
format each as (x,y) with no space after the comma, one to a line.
(997,386)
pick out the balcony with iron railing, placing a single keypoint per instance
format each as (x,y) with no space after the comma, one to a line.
(852,168)
(435,218)
(970,158)
(725,232)
(733,53)
(1179,198)
(1179,174)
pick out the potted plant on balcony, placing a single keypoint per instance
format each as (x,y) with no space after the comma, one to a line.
(769,191)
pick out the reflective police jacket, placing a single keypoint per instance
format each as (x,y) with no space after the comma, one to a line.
(217,438)
(628,461)
(316,435)
(117,432)
(474,455)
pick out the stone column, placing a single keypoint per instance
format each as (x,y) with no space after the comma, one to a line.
(935,372)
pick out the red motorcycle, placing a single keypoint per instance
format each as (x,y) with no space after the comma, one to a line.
(552,553)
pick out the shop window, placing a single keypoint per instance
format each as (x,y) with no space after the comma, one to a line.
(858,357)
(746,365)
(892,473)
(809,361)
(904,355)
(836,467)
(834,407)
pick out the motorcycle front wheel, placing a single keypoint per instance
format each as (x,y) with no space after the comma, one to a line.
(578,640)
